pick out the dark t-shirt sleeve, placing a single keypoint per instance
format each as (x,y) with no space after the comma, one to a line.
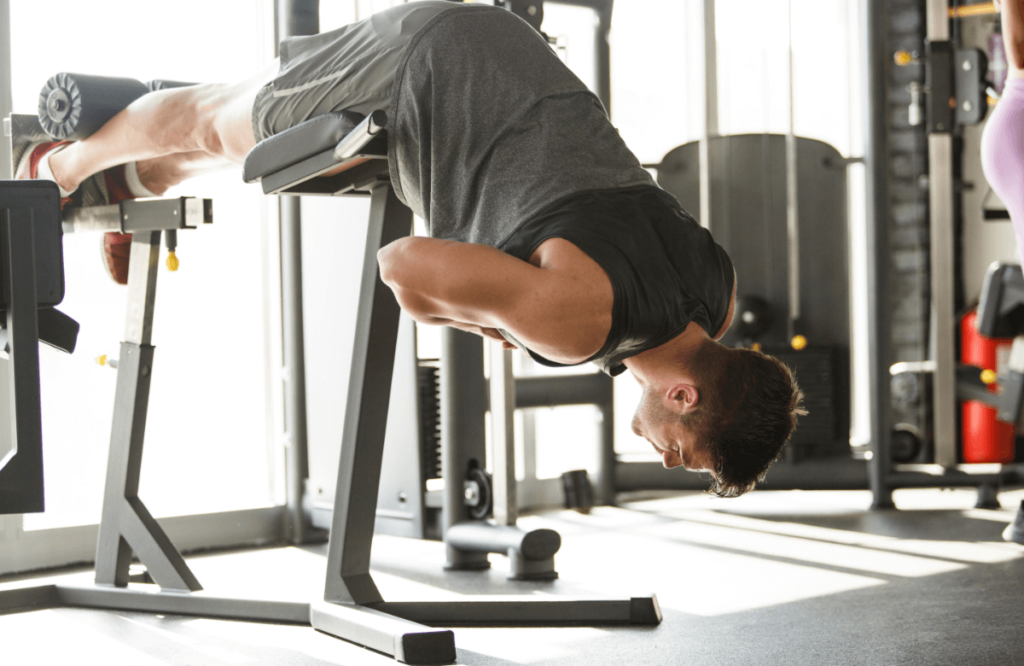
(665,269)
(719,300)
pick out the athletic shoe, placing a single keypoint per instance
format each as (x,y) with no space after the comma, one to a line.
(28,159)
(29,143)
(26,153)
(117,247)
(105,188)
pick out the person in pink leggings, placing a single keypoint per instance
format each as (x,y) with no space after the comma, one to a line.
(1002,143)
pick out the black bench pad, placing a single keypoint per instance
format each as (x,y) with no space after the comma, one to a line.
(297,143)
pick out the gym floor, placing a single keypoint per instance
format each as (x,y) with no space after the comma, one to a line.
(772,578)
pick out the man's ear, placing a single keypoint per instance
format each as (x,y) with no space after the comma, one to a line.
(683,398)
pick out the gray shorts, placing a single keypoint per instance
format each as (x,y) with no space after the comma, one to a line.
(351,68)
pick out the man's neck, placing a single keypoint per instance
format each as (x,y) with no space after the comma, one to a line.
(654,366)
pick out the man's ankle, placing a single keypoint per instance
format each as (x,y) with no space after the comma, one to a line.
(58,166)
(148,176)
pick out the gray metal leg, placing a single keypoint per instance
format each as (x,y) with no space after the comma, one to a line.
(503,452)
(139,598)
(533,612)
(349,585)
(21,471)
(297,470)
(366,412)
(875,15)
(604,485)
(464,403)
(126,525)
(408,642)
(463,434)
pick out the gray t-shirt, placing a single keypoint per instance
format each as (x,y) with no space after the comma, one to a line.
(487,127)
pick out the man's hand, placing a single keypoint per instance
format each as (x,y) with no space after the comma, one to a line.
(491,333)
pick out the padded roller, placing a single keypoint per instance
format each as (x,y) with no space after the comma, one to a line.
(73,106)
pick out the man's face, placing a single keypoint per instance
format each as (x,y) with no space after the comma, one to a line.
(667,432)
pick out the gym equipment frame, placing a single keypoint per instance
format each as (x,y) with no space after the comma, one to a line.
(31,283)
(353,608)
(951,74)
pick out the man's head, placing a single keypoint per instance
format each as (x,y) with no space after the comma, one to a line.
(729,411)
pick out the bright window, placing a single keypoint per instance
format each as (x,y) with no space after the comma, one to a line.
(658,70)
(207,432)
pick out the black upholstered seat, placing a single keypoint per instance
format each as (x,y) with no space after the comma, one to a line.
(347,149)
(297,143)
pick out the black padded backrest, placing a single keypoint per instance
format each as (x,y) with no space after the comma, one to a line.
(297,143)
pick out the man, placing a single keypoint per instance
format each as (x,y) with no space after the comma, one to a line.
(545,231)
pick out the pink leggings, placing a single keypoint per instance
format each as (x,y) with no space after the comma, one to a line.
(1002,153)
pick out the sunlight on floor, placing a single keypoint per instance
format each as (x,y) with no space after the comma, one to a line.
(947,550)
(68,649)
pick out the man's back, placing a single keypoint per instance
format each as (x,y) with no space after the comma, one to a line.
(488,128)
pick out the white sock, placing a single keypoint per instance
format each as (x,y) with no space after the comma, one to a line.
(43,171)
(131,178)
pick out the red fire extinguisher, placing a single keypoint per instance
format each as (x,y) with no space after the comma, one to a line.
(985,439)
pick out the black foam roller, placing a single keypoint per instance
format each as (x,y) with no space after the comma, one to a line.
(73,106)
(160,84)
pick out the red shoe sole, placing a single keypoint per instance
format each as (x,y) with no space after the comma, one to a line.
(117,249)
(116,246)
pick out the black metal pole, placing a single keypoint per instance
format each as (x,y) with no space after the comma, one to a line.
(294,18)
(876,25)
(464,401)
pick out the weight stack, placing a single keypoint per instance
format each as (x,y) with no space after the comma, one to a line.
(429,385)
(824,379)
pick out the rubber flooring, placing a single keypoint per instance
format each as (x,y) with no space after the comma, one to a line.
(773,578)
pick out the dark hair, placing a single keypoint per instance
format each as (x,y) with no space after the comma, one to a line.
(750,406)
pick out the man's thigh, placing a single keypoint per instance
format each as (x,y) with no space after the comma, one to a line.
(351,68)
(234,120)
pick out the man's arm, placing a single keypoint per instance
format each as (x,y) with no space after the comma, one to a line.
(472,286)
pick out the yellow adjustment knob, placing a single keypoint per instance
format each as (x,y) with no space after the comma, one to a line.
(979,9)
(988,376)
(102,360)
(903,58)
(756,346)
(172,262)
(799,342)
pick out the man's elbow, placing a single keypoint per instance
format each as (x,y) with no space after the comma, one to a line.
(388,261)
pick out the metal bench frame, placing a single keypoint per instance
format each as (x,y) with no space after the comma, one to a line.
(353,608)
